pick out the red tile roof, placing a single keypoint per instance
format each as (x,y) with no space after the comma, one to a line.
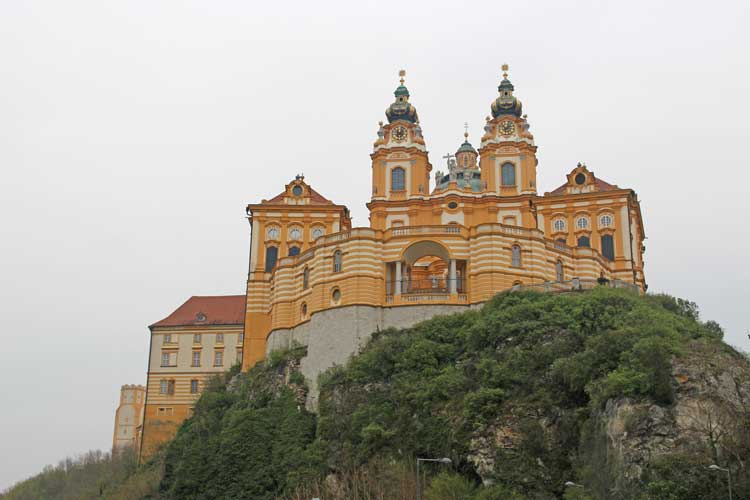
(216,310)
(600,184)
(315,197)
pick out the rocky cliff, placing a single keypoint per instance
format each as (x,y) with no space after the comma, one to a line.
(629,397)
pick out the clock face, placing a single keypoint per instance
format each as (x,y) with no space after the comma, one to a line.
(399,134)
(507,127)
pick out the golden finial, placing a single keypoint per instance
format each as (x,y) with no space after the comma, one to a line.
(466,131)
(402,74)
(505,71)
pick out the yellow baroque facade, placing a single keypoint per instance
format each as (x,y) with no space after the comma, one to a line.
(435,244)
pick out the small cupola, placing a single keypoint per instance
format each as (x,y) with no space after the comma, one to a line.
(401,109)
(506,103)
(466,155)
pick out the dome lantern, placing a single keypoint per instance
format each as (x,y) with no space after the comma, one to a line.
(401,109)
(506,103)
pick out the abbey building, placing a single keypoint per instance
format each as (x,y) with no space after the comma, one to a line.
(437,242)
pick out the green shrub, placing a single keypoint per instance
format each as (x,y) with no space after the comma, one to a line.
(450,486)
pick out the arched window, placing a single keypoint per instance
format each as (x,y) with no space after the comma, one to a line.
(303,310)
(584,241)
(559,271)
(582,223)
(293,251)
(509,174)
(559,225)
(605,220)
(398,179)
(272,253)
(337,261)
(273,233)
(562,241)
(305,278)
(516,256)
(608,247)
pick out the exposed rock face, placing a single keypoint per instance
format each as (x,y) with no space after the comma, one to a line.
(282,376)
(711,394)
(711,387)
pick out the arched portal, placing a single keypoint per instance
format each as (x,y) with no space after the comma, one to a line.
(426,268)
(422,249)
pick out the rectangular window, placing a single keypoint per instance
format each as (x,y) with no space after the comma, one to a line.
(196,338)
(196,358)
(608,247)
(218,358)
(168,358)
(190,411)
(239,356)
(167,338)
(165,412)
(219,338)
(166,386)
(241,338)
(508,173)
(194,386)
(398,182)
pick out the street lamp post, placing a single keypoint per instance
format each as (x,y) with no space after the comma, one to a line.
(440,460)
(715,467)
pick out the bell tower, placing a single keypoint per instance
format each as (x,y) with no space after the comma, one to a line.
(508,154)
(400,167)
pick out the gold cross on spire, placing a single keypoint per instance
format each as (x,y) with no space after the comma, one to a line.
(402,74)
(505,71)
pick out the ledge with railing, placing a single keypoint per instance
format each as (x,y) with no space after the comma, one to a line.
(450,229)
(577,284)
(430,290)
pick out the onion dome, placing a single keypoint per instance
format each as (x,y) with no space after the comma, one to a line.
(506,104)
(401,109)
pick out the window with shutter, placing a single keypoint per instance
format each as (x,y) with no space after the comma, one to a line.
(608,247)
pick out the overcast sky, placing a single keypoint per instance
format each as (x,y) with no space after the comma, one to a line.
(133,134)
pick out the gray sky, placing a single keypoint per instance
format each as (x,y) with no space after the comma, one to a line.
(133,134)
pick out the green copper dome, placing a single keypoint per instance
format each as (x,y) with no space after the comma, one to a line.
(466,147)
(401,90)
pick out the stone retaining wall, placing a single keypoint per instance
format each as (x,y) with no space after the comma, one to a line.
(332,336)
